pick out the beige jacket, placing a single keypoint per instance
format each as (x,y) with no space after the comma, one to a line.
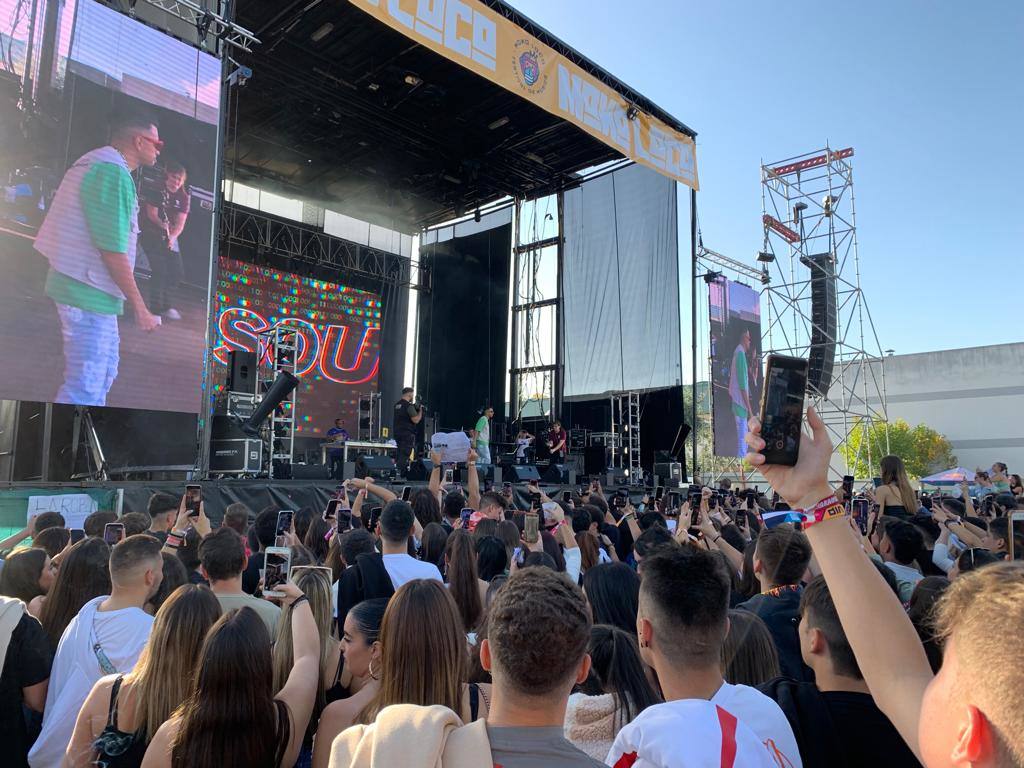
(410,736)
(591,723)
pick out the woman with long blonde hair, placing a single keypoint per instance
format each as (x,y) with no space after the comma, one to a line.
(123,712)
(315,583)
(895,496)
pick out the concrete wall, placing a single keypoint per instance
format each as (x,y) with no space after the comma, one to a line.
(974,396)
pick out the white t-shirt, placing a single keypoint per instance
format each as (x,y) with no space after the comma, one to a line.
(121,634)
(691,733)
(761,715)
(403,568)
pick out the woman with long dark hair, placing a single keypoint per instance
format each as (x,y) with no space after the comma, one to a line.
(492,558)
(123,712)
(426,507)
(52,540)
(84,574)
(360,645)
(614,693)
(432,545)
(894,496)
(463,584)
(613,591)
(749,656)
(318,539)
(28,576)
(231,716)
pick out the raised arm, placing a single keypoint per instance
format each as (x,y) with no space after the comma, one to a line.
(299,691)
(20,536)
(715,540)
(381,493)
(896,671)
(473,480)
(435,473)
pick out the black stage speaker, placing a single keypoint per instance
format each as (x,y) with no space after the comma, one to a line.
(236,457)
(824,319)
(311,472)
(615,476)
(595,460)
(419,470)
(377,467)
(241,371)
(522,473)
(487,472)
(559,474)
(671,474)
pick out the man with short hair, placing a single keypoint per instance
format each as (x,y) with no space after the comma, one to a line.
(682,622)
(395,527)
(406,418)
(266,536)
(95,523)
(46,520)
(832,716)
(163,510)
(900,545)
(493,505)
(538,614)
(335,456)
(135,523)
(106,637)
(89,238)
(162,225)
(236,517)
(481,441)
(222,557)
(781,557)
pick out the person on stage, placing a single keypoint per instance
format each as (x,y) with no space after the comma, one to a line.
(739,392)
(523,442)
(89,237)
(335,456)
(481,441)
(556,440)
(407,415)
(161,226)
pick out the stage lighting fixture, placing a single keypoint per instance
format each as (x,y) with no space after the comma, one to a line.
(373,87)
(476,216)
(765,257)
(632,112)
(501,121)
(828,203)
(710,277)
(534,157)
(413,80)
(798,210)
(279,390)
(322,32)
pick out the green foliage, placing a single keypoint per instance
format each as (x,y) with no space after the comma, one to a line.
(923,450)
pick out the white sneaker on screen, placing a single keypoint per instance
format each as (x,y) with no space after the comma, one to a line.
(172,314)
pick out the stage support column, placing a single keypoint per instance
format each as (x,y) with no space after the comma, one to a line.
(693,330)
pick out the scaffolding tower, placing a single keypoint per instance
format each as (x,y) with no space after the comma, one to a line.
(810,237)
(280,345)
(625,408)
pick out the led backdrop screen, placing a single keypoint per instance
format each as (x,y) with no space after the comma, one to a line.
(106,207)
(736,371)
(338,329)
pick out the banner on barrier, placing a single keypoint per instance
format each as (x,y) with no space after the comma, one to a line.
(483,41)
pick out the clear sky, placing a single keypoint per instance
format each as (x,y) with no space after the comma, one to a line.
(929,94)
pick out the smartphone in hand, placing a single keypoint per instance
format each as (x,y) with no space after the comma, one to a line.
(193,498)
(531,530)
(782,409)
(276,566)
(113,533)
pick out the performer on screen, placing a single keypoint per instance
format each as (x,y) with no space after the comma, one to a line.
(335,456)
(739,392)
(407,415)
(556,440)
(162,224)
(89,237)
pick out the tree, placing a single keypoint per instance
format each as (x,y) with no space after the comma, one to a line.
(923,450)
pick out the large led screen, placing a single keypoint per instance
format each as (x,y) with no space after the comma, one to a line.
(108,133)
(337,329)
(736,371)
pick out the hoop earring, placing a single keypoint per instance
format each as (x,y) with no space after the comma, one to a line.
(373,676)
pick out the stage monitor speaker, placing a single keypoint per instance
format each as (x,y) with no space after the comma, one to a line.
(236,457)
(558,474)
(241,371)
(523,473)
(377,467)
(595,460)
(419,470)
(616,476)
(311,472)
(824,320)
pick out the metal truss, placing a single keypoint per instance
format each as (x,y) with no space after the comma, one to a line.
(708,257)
(206,23)
(809,218)
(265,235)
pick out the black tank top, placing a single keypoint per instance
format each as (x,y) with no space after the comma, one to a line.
(403,421)
(115,748)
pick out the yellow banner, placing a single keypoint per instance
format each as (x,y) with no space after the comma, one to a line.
(473,35)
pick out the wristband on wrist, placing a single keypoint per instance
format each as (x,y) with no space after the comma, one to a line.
(827,509)
(172,541)
(298,600)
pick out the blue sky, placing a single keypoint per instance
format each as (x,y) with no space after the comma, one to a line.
(930,95)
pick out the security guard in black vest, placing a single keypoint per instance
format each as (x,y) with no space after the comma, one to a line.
(407,416)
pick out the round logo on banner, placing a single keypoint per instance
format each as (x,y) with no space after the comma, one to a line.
(528,66)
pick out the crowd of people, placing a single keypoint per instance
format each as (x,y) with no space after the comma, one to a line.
(462,628)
